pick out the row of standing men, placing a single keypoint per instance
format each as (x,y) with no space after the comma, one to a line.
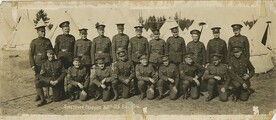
(138,50)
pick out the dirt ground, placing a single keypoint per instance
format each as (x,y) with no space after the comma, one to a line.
(17,94)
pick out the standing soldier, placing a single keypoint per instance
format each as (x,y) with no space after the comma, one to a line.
(64,45)
(124,72)
(103,80)
(238,40)
(101,46)
(197,48)
(190,74)
(156,49)
(37,53)
(216,45)
(83,49)
(52,74)
(175,47)
(218,78)
(119,40)
(241,70)
(169,75)
(147,77)
(138,45)
(77,80)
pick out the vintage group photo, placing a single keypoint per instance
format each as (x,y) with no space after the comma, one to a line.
(138,59)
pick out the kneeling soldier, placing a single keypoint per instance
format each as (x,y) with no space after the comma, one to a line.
(146,76)
(52,74)
(169,75)
(190,73)
(102,80)
(124,72)
(77,80)
(241,70)
(218,78)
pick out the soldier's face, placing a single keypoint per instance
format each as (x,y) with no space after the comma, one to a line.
(195,37)
(76,64)
(101,65)
(216,62)
(216,35)
(100,32)
(175,33)
(83,35)
(238,54)
(138,33)
(144,62)
(66,30)
(237,31)
(41,33)
(50,56)
(166,63)
(120,30)
(188,60)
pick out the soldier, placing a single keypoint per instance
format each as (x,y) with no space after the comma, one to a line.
(102,80)
(175,47)
(124,72)
(101,46)
(197,48)
(216,45)
(64,45)
(156,49)
(218,78)
(138,45)
(147,77)
(190,74)
(119,40)
(83,49)
(238,40)
(52,74)
(169,75)
(37,53)
(241,70)
(77,80)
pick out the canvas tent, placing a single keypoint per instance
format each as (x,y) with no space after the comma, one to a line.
(22,35)
(165,31)
(5,31)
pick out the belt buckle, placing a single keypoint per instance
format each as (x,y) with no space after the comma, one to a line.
(63,50)
(39,54)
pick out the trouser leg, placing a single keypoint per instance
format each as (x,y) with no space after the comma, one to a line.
(126,89)
(185,85)
(211,87)
(150,91)
(115,88)
(222,96)
(173,91)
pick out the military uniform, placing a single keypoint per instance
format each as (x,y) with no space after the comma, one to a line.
(175,47)
(216,45)
(97,81)
(75,76)
(220,70)
(239,40)
(238,68)
(165,72)
(118,41)
(156,50)
(143,73)
(138,46)
(52,70)
(83,49)
(37,52)
(187,73)
(124,70)
(197,48)
(64,47)
(101,47)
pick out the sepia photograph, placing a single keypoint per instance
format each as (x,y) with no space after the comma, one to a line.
(138,60)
